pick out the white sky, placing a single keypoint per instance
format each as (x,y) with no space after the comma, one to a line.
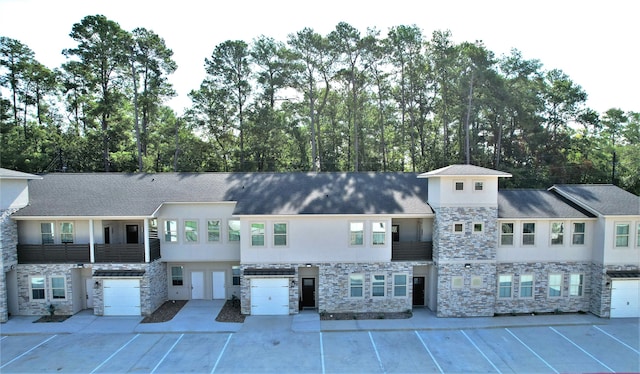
(595,42)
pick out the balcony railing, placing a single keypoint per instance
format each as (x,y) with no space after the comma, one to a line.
(79,253)
(411,251)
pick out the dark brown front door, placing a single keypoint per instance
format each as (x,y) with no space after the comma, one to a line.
(308,292)
(395,233)
(107,235)
(132,234)
(418,291)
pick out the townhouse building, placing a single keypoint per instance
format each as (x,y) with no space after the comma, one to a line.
(449,240)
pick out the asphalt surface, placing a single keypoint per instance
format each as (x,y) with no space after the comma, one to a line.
(304,344)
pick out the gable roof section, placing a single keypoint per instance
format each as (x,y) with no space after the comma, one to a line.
(537,204)
(12,174)
(464,170)
(603,199)
(140,195)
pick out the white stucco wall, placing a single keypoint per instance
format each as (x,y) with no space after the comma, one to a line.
(621,255)
(14,193)
(442,192)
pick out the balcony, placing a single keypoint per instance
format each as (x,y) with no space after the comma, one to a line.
(79,253)
(411,251)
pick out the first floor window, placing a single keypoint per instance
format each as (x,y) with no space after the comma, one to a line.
(458,228)
(356,283)
(235,272)
(58,290)
(379,232)
(234,231)
(478,186)
(477,281)
(171,231)
(578,233)
(504,286)
(66,232)
(457,282)
(622,235)
(506,234)
(378,285)
(555,285)
(37,288)
(257,234)
(459,186)
(356,233)
(191,231)
(575,284)
(400,285)
(478,228)
(46,232)
(213,230)
(279,234)
(557,233)
(526,285)
(528,233)
(177,278)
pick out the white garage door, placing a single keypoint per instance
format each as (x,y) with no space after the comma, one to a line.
(121,297)
(270,296)
(625,298)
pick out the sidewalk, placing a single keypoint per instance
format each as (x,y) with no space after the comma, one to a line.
(199,316)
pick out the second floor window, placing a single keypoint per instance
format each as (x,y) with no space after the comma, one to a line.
(191,231)
(234,230)
(622,235)
(171,231)
(213,230)
(66,232)
(257,234)
(356,233)
(378,232)
(528,233)
(506,234)
(46,232)
(279,234)
(578,233)
(557,233)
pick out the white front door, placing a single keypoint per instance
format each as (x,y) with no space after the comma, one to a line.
(218,285)
(197,285)
(89,292)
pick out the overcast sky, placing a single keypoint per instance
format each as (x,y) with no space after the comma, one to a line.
(595,42)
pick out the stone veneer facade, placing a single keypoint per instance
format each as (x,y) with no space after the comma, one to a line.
(600,302)
(468,255)
(9,259)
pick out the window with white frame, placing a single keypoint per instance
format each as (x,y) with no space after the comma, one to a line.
(356,285)
(399,285)
(478,186)
(505,284)
(578,233)
(528,233)
(257,234)
(46,232)
(213,230)
(66,232)
(378,233)
(557,233)
(177,276)
(458,227)
(576,282)
(171,231)
(506,233)
(555,285)
(378,282)
(234,230)
(36,288)
(457,282)
(458,186)
(478,227)
(477,281)
(356,233)
(235,273)
(58,288)
(280,231)
(622,235)
(526,285)
(191,231)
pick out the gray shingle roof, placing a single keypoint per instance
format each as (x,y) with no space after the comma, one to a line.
(605,199)
(536,204)
(118,195)
(464,170)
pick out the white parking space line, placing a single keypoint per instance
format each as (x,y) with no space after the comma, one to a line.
(114,353)
(27,351)
(166,354)
(532,351)
(429,352)
(221,353)
(322,353)
(479,350)
(377,354)
(580,348)
(616,339)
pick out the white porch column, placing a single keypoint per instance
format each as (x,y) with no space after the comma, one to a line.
(147,247)
(92,255)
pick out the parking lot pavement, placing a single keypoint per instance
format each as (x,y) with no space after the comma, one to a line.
(269,345)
